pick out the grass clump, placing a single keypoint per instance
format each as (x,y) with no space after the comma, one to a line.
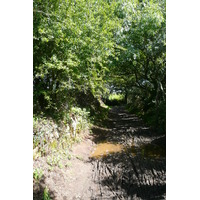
(38,174)
(46,195)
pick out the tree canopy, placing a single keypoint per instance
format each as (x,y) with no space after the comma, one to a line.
(90,47)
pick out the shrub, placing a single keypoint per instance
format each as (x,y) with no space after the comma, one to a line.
(50,136)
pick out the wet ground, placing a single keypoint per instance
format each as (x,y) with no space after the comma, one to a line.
(129,161)
(122,160)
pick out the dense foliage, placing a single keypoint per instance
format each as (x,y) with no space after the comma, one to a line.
(141,69)
(72,43)
(85,49)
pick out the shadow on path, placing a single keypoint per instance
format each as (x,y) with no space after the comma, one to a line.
(39,188)
(136,166)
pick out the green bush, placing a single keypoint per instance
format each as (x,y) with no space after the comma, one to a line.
(115,99)
(50,136)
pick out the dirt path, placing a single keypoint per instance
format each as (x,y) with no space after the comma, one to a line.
(73,181)
(136,172)
(125,160)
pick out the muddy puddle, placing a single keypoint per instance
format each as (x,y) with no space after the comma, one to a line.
(105,149)
(154,151)
(147,150)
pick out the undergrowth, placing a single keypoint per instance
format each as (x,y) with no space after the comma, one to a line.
(38,174)
(55,138)
(115,99)
(46,195)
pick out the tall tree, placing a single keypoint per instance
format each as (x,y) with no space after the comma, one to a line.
(141,68)
(72,43)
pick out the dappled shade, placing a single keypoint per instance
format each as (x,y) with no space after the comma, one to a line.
(100,66)
(129,164)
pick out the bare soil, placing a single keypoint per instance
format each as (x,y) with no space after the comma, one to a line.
(134,169)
